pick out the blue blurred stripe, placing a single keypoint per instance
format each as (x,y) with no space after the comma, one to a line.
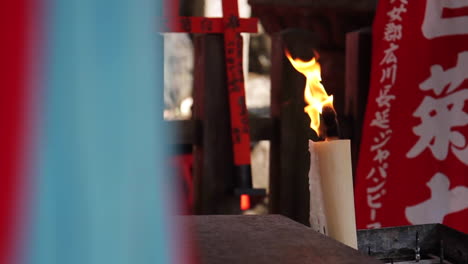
(99,193)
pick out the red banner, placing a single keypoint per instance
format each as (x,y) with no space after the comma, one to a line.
(413,166)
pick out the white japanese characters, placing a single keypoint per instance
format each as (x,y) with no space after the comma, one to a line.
(442,115)
(436,25)
(443,201)
(390,56)
(453,77)
(437,131)
(377,176)
(392,32)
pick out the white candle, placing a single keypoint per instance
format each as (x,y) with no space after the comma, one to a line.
(331,185)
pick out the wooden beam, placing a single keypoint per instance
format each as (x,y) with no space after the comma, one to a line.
(358,67)
(265,239)
(190,131)
(213,158)
(185,132)
(289,155)
(319,4)
(261,128)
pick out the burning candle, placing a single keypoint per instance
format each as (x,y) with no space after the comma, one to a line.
(330,174)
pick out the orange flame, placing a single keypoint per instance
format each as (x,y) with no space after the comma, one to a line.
(314,93)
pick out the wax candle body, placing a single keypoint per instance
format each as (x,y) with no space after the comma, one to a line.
(331,172)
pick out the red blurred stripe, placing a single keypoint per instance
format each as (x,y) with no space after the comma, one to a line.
(15,18)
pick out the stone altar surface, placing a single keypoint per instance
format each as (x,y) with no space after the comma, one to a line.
(268,239)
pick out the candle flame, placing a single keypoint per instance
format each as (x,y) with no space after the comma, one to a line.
(314,93)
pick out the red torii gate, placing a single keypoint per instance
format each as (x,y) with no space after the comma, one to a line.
(231,25)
